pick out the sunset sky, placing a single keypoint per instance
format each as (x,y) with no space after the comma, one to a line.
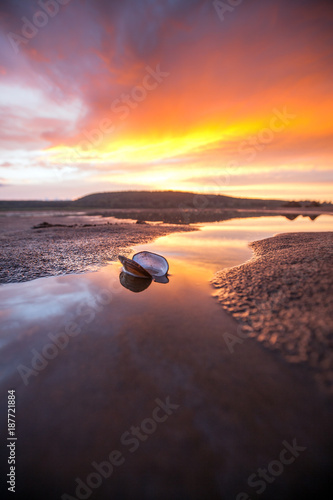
(231,97)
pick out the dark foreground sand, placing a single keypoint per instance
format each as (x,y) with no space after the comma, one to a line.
(283,297)
(68,246)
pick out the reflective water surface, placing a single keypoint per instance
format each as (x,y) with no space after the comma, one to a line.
(89,357)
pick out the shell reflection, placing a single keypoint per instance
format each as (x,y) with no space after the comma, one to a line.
(133,283)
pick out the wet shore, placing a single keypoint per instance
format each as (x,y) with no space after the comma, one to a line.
(283,297)
(35,247)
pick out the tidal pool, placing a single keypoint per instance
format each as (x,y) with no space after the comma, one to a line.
(136,395)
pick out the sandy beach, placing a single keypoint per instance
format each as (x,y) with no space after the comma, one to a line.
(283,297)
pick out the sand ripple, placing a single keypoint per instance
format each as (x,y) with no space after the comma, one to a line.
(283,297)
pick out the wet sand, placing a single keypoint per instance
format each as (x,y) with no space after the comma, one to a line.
(68,245)
(283,297)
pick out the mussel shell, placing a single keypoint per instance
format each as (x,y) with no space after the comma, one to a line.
(134,268)
(155,264)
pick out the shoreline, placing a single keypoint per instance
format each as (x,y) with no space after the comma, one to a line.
(184,214)
(283,297)
(29,252)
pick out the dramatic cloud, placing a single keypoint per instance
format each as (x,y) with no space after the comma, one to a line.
(104,95)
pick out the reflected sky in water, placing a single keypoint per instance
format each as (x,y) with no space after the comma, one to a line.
(193,259)
(225,244)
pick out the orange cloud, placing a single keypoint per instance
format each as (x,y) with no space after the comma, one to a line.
(163,91)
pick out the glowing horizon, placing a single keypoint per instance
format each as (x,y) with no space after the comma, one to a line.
(166,96)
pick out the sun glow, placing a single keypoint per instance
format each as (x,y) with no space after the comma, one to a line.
(208,124)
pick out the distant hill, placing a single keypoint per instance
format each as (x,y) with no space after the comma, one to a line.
(156,200)
(168,199)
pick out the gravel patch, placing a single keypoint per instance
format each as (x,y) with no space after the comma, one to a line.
(283,297)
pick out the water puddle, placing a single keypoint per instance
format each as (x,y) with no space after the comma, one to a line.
(88,357)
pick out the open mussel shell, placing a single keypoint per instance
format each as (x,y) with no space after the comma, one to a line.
(134,268)
(155,264)
(134,283)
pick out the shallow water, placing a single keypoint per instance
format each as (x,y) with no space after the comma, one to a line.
(88,359)
(63,217)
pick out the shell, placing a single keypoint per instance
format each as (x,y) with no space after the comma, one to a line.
(133,268)
(155,264)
